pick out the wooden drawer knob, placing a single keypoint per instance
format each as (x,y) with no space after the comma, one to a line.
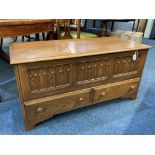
(81,99)
(39,110)
(132,87)
(103,94)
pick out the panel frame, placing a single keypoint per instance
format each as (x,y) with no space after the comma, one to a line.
(74,85)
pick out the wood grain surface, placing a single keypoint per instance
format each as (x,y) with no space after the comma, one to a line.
(60,49)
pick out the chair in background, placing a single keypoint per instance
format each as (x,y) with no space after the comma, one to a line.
(141,25)
(71,29)
(92,26)
(64,27)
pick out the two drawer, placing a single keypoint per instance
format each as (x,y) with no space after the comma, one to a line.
(41,109)
(115,90)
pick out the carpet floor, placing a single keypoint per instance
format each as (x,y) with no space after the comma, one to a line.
(120,116)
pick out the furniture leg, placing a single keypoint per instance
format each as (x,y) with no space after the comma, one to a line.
(78,28)
(22,38)
(3,55)
(133,96)
(137,25)
(49,35)
(28,125)
(37,37)
(112,26)
(43,35)
(105,29)
(133,27)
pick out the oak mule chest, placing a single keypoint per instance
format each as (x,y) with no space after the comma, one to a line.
(61,75)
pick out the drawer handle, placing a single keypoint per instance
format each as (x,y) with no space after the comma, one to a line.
(81,99)
(39,110)
(103,94)
(132,87)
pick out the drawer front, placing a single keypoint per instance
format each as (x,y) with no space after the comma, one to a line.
(41,109)
(116,90)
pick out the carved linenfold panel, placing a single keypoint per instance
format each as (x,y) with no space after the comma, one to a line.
(50,77)
(43,78)
(66,74)
(125,65)
(34,78)
(88,71)
(59,76)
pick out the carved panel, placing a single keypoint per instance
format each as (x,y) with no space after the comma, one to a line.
(50,77)
(89,71)
(125,65)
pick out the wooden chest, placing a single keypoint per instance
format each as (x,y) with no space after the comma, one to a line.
(58,76)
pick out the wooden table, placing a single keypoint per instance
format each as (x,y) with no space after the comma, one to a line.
(61,75)
(22,27)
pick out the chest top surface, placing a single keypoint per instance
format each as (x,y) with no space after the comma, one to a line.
(60,49)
